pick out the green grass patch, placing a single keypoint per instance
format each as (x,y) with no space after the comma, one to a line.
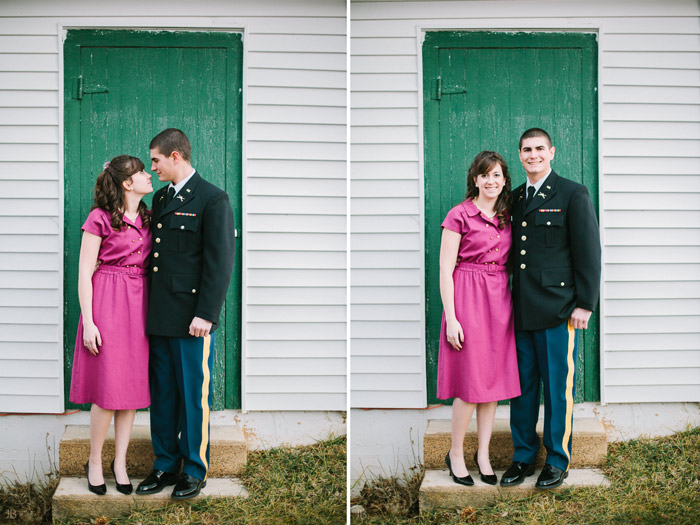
(287,485)
(653,481)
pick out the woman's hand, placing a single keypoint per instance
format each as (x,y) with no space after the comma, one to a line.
(92,338)
(455,334)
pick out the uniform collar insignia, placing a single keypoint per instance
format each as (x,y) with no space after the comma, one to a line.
(161,197)
(189,190)
(182,199)
(549,187)
(542,195)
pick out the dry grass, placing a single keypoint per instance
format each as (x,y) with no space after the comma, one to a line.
(653,481)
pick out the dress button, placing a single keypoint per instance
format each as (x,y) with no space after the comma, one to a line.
(182,227)
(487,225)
(524,223)
(496,250)
(490,237)
(194,291)
(155,268)
(498,236)
(522,266)
(156,254)
(133,240)
(562,283)
(522,252)
(160,225)
(523,238)
(138,252)
(157,239)
(140,238)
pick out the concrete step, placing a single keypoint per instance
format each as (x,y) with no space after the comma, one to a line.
(228,452)
(73,499)
(439,491)
(589,447)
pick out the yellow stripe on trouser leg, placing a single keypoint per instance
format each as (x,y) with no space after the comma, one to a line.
(205,404)
(569,391)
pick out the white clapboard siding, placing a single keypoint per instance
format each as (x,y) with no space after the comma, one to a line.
(294,223)
(649,93)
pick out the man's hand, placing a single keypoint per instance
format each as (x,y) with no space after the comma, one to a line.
(579,318)
(200,327)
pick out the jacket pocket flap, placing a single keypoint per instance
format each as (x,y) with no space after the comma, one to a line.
(559,277)
(183,222)
(549,218)
(185,284)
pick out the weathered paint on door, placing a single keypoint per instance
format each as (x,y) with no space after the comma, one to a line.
(481,90)
(121,89)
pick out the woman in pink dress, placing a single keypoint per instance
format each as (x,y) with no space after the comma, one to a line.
(110,363)
(477,363)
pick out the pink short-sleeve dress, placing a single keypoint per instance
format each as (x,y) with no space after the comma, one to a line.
(117,378)
(486,369)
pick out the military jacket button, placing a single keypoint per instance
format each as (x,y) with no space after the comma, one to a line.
(524,223)
(160,225)
(549,223)
(522,252)
(522,266)
(182,227)
(523,238)
(156,254)
(194,290)
(157,239)
(155,268)
(562,283)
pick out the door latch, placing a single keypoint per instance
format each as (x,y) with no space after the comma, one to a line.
(88,90)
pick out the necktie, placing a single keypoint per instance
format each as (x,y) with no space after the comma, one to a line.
(530,195)
(171,194)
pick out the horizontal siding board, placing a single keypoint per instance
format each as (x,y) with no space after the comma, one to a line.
(384,277)
(296,260)
(664,111)
(17,368)
(655,289)
(307,331)
(384,134)
(296,349)
(291,296)
(387,206)
(29,261)
(655,237)
(652,42)
(386,312)
(295,43)
(370,399)
(297,132)
(651,218)
(296,150)
(385,241)
(389,260)
(383,293)
(386,382)
(641,183)
(28,316)
(295,314)
(312,97)
(653,254)
(295,114)
(29,243)
(385,364)
(39,386)
(652,394)
(652,376)
(651,307)
(28,225)
(31,404)
(323,242)
(386,224)
(285,367)
(632,272)
(669,359)
(394,82)
(373,46)
(385,188)
(384,170)
(303,205)
(317,278)
(296,168)
(28,170)
(379,330)
(29,80)
(25,117)
(287,186)
(650,94)
(31,351)
(650,201)
(34,62)
(384,117)
(29,99)
(390,347)
(381,99)
(296,78)
(653,130)
(38,334)
(652,342)
(667,60)
(300,61)
(379,64)
(28,189)
(678,324)
(15,297)
(299,223)
(306,384)
(296,401)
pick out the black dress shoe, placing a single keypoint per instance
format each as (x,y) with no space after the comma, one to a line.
(155,482)
(551,477)
(100,490)
(467,480)
(516,473)
(126,488)
(489,479)
(188,487)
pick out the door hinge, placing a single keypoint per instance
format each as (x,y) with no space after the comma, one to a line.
(441,89)
(82,89)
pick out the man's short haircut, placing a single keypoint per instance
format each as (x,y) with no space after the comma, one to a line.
(170,140)
(535,132)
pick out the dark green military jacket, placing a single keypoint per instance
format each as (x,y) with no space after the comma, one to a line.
(192,259)
(556,254)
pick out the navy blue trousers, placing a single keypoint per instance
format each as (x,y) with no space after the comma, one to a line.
(181,391)
(547,358)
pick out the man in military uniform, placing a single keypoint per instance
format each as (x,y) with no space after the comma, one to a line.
(556,259)
(192,262)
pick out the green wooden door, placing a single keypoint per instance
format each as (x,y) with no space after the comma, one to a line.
(482,90)
(121,89)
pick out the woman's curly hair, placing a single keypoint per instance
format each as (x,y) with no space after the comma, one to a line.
(482,163)
(109,192)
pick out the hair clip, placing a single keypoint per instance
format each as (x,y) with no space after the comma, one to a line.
(105,165)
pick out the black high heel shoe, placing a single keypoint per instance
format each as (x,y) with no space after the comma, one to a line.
(489,479)
(467,480)
(100,490)
(126,488)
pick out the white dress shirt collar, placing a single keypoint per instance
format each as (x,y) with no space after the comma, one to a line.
(182,183)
